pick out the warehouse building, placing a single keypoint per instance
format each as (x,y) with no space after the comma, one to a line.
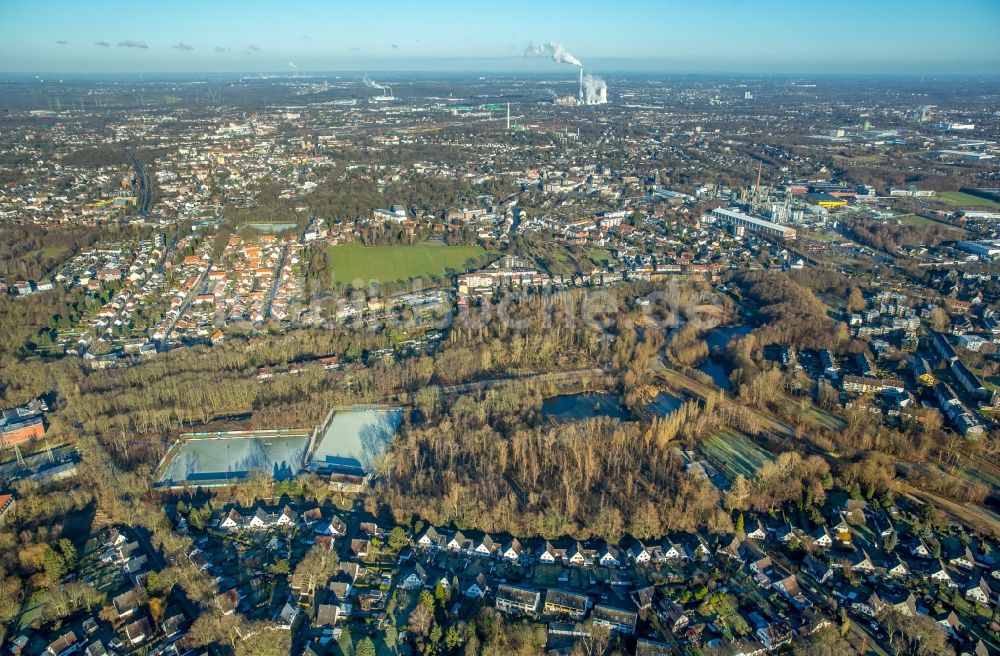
(987,249)
(753,224)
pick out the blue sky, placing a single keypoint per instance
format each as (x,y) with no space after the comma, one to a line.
(671,36)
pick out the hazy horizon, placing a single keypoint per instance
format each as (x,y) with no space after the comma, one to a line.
(685,36)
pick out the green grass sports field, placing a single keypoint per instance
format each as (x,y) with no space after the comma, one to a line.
(390,263)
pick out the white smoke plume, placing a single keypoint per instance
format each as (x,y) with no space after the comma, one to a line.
(554,50)
(372,84)
(595,90)
(384,88)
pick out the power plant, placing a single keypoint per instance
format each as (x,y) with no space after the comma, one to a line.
(385,96)
(593,90)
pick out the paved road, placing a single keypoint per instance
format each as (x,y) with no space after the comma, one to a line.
(167,250)
(276,282)
(188,299)
(281,265)
(145,188)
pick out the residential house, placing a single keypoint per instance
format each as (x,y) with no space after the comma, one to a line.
(360,548)
(126,603)
(512,550)
(609,557)
(977,649)
(566,603)
(67,643)
(756,531)
(485,547)
(430,538)
(639,553)
(139,631)
(673,552)
(261,519)
(672,615)
(643,597)
(576,555)
(817,569)
(938,574)
(785,534)
(871,605)
(616,619)
(415,579)
(287,517)
(842,531)
(856,508)
(549,553)
(199,560)
(516,600)
(896,567)
(312,516)
(231,521)
(7,502)
(335,527)
(371,529)
(442,582)
(323,542)
(458,542)
(350,571)
(979,592)
(948,621)
(172,626)
(961,556)
(135,565)
(288,617)
(340,590)
(875,603)
(699,548)
(731,550)
(919,549)
(327,614)
(859,561)
(821,538)
(115,539)
(95,648)
(758,569)
(775,634)
(790,587)
(477,588)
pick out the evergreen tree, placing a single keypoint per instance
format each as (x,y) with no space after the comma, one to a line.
(365,648)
